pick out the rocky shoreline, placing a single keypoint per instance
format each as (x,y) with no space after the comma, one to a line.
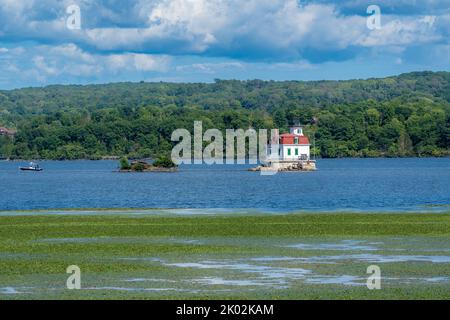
(142,166)
(287,166)
(152,169)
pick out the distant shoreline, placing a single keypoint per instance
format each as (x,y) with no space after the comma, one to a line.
(217,212)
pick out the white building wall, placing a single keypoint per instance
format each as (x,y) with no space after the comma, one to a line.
(301,150)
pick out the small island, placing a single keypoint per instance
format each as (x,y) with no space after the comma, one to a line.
(162,164)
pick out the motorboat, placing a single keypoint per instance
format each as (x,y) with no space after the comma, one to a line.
(32,167)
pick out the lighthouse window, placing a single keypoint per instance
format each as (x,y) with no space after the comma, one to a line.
(296,152)
(289,151)
(296,141)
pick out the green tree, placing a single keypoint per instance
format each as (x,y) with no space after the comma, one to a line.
(124,164)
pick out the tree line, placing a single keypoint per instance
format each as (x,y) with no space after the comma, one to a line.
(407,115)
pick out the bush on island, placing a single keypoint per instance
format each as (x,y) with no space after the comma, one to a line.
(139,167)
(164,162)
(124,164)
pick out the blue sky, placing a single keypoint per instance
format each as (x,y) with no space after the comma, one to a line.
(201,40)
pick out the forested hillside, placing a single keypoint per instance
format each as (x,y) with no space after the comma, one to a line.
(407,115)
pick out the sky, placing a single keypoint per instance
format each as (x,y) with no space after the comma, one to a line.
(44,42)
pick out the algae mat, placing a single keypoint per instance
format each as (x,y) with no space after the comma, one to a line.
(242,256)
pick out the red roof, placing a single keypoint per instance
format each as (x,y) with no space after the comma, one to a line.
(290,139)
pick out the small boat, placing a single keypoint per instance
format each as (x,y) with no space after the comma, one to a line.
(32,167)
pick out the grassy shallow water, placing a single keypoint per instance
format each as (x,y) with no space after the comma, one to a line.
(245,256)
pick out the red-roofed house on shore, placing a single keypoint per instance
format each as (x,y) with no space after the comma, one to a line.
(7,132)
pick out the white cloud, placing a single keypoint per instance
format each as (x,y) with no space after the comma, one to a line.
(401,32)
(274,29)
(72,52)
(138,62)
(144,39)
(15,7)
(252,29)
(297,65)
(71,59)
(46,63)
(40,63)
(210,68)
(145,62)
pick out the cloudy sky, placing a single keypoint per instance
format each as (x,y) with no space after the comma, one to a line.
(43,42)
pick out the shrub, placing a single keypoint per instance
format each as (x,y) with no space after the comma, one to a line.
(124,164)
(164,162)
(139,167)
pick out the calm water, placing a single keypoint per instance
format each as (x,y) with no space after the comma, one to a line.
(350,184)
